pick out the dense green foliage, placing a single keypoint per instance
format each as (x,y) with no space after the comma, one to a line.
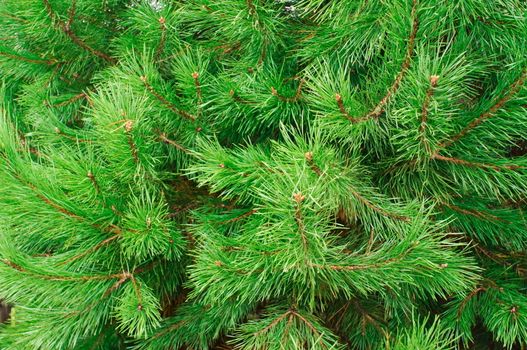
(263,174)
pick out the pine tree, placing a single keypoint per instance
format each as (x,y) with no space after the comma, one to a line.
(263,174)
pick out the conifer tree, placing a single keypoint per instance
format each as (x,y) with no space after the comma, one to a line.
(263,174)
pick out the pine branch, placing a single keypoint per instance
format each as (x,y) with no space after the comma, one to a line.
(311,163)
(92,249)
(163,138)
(370,320)
(252,8)
(424,112)
(366,266)
(468,298)
(458,161)
(239,218)
(274,322)
(84,278)
(93,181)
(292,99)
(238,99)
(66,28)
(379,108)
(163,39)
(70,100)
(378,209)
(513,89)
(197,84)
(299,198)
(47,62)
(110,229)
(164,101)
(476,213)
(128,125)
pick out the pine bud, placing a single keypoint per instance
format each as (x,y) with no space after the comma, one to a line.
(299,197)
(128,125)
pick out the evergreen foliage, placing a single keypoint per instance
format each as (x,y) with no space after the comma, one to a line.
(263,174)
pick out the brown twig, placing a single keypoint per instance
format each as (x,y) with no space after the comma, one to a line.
(49,62)
(311,163)
(163,138)
(379,108)
(73,138)
(164,101)
(93,181)
(92,249)
(64,278)
(376,208)
(468,297)
(458,161)
(128,126)
(162,40)
(367,266)
(273,323)
(237,98)
(342,108)
(111,228)
(238,218)
(263,53)
(299,198)
(197,84)
(368,318)
(66,28)
(252,8)
(71,100)
(475,213)
(292,99)
(513,90)
(424,112)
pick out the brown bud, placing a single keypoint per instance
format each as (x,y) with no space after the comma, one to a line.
(309,156)
(299,197)
(128,125)
(434,79)
(443,265)
(221,165)
(514,310)
(140,307)
(162,20)
(218,263)
(338,97)
(273,91)
(195,75)
(143,78)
